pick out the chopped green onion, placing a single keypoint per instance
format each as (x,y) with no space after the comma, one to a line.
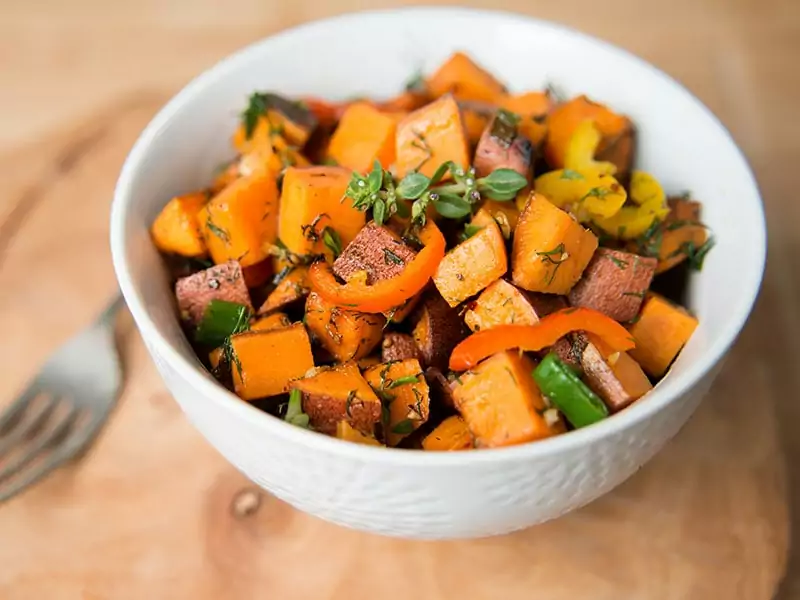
(294,410)
(568,393)
(222,319)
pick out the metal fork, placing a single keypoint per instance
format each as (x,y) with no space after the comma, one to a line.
(63,408)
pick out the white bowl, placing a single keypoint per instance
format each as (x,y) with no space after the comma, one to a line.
(459,494)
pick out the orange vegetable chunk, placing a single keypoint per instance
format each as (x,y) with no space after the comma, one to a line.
(460,76)
(409,402)
(472,265)
(451,434)
(503,304)
(532,108)
(276,320)
(550,249)
(240,223)
(660,332)
(176,230)
(363,136)
(346,334)
(682,226)
(501,403)
(346,432)
(291,288)
(430,136)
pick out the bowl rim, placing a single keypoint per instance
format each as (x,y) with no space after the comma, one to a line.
(191,371)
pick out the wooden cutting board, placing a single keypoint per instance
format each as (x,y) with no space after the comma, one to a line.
(153,512)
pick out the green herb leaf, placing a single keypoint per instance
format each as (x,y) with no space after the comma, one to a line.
(390,257)
(501,184)
(470,230)
(403,381)
(217,231)
(439,173)
(412,186)
(375,178)
(403,427)
(452,206)
(332,241)
(379,211)
(221,320)
(696,256)
(258,104)
(571,175)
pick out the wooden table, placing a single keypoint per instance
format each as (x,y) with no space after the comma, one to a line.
(154,512)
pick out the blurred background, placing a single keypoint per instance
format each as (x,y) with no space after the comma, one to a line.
(152,512)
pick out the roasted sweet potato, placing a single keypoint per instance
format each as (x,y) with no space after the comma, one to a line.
(346,334)
(550,250)
(618,387)
(475,116)
(501,403)
(660,332)
(505,214)
(398,346)
(437,330)
(681,228)
(220,282)
(460,76)
(614,283)
(450,434)
(376,250)
(223,178)
(503,304)
(346,432)
(264,363)
(472,265)
(403,388)
(532,108)
(363,136)
(293,287)
(272,154)
(404,102)
(339,394)
(430,136)
(311,201)
(240,223)
(176,230)
(440,387)
(502,146)
(274,114)
(277,320)
(617,133)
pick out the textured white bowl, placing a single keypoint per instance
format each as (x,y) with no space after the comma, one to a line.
(440,495)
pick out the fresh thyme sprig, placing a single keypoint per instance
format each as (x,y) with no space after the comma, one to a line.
(379,192)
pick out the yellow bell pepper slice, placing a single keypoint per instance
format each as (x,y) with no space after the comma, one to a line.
(632,221)
(587,195)
(580,151)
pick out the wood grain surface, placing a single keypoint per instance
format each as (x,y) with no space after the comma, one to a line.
(153,512)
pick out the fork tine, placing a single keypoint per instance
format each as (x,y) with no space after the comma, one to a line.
(40,443)
(25,428)
(16,407)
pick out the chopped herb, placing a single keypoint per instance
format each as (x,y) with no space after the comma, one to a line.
(556,257)
(390,257)
(649,243)
(621,264)
(349,402)
(416,83)
(636,294)
(571,175)
(281,275)
(404,381)
(332,241)
(681,223)
(403,427)
(697,255)
(421,143)
(417,408)
(597,192)
(331,162)
(258,105)
(294,410)
(218,231)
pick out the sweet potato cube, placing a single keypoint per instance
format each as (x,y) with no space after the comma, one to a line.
(292,119)
(503,304)
(614,283)
(617,132)
(502,146)
(451,434)
(376,250)
(220,282)
(290,289)
(271,154)
(240,223)
(346,432)
(277,320)
(177,229)
(681,228)
(505,214)
(338,394)
(346,334)
(311,201)
(460,76)
(363,136)
(403,387)
(532,108)
(618,379)
(472,265)
(430,136)
(550,250)
(501,403)
(476,117)
(437,330)
(660,332)
(398,346)
(266,362)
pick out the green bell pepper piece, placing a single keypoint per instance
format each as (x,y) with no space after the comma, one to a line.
(561,384)
(222,319)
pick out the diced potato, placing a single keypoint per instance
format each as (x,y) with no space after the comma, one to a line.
(681,227)
(403,387)
(430,136)
(240,223)
(346,334)
(475,117)
(311,201)
(363,136)
(265,363)
(176,230)
(292,119)
(460,76)
(377,251)
(503,146)
(344,431)
(451,434)
(398,346)
(660,332)
(505,214)
(472,265)
(620,384)
(550,250)
(437,330)
(290,289)
(503,304)
(339,394)
(501,403)
(532,108)
(220,282)
(276,320)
